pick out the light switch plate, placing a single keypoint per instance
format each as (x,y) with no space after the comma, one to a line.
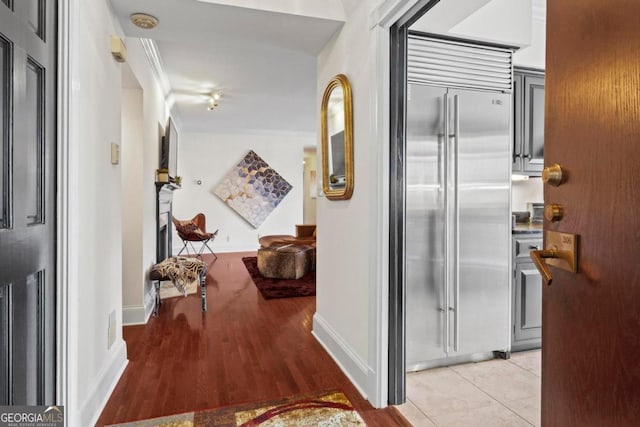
(115,153)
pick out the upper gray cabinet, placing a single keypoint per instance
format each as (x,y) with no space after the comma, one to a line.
(528,110)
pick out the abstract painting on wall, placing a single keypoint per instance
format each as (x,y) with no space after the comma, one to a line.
(253,189)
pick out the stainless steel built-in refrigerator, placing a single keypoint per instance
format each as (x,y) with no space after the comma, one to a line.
(457,238)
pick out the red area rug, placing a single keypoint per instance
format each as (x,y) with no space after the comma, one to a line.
(280,288)
(320,409)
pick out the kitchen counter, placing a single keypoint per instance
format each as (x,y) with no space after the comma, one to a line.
(527,228)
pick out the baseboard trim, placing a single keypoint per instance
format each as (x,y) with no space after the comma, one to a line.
(149,302)
(106,382)
(139,314)
(134,315)
(348,361)
(224,248)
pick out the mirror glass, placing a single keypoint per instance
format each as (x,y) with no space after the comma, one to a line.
(337,140)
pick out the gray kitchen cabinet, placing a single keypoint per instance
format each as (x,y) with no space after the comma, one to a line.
(528,122)
(527,295)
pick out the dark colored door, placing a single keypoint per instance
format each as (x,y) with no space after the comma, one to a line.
(27,207)
(591,320)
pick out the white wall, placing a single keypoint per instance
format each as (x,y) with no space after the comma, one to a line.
(95,194)
(327,9)
(311,185)
(494,21)
(499,21)
(131,151)
(533,56)
(346,228)
(140,194)
(526,191)
(209,157)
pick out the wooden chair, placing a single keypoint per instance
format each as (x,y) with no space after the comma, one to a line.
(194,230)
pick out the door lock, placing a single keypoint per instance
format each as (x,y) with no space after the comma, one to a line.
(561,250)
(552,175)
(553,212)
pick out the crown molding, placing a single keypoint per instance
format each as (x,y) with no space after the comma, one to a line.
(155,62)
(157,68)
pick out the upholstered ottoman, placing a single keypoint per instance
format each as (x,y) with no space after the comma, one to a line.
(180,271)
(284,262)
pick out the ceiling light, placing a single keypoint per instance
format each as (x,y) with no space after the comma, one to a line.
(144,20)
(214,97)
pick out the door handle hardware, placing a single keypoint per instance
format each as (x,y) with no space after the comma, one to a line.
(553,212)
(447,227)
(552,175)
(561,250)
(538,257)
(456,200)
(532,247)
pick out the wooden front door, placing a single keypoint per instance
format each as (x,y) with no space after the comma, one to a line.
(27,206)
(591,320)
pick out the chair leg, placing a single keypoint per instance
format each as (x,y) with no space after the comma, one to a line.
(158,301)
(210,250)
(184,246)
(193,248)
(205,243)
(203,289)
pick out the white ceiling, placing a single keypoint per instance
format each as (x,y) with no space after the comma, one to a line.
(263,59)
(265,62)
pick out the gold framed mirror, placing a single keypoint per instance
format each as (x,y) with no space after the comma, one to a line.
(337,139)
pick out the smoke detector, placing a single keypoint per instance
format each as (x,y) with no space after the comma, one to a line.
(144,20)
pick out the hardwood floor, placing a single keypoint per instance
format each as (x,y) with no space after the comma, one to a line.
(243,349)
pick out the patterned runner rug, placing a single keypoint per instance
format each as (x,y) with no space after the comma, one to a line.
(324,409)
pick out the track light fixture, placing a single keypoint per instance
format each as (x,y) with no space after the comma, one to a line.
(214,97)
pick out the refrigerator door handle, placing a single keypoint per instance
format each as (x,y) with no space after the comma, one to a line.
(447,226)
(456,230)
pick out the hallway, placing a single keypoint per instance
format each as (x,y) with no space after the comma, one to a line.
(243,349)
(492,393)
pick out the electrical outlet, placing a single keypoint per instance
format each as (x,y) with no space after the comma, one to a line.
(111,329)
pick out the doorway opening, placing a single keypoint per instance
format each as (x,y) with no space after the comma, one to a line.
(452,301)
(310,185)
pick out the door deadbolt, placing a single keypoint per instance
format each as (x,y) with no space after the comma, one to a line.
(553,212)
(552,175)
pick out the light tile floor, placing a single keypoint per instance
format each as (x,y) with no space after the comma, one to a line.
(492,393)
